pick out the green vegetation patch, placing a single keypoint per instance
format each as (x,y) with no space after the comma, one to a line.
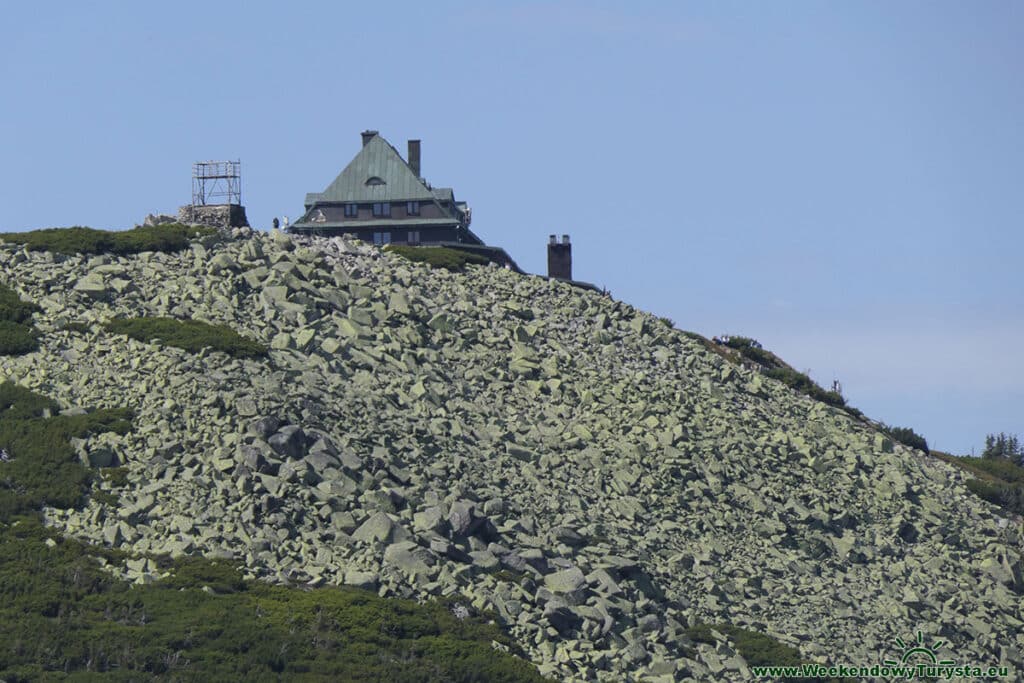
(1004,445)
(116,476)
(191,335)
(998,480)
(709,345)
(13,309)
(17,339)
(907,437)
(77,326)
(17,334)
(756,648)
(59,613)
(805,385)
(80,240)
(19,403)
(40,466)
(774,367)
(439,257)
(1008,496)
(751,350)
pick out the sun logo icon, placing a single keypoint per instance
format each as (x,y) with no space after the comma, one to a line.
(918,651)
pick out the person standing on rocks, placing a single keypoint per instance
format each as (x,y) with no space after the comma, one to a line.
(276,224)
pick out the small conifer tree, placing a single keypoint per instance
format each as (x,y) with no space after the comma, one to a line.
(1004,446)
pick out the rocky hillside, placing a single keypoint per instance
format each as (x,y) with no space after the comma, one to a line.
(601,482)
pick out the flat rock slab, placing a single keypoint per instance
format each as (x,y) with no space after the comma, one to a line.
(378,527)
(566,581)
(409,557)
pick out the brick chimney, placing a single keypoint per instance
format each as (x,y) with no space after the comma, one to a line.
(559,258)
(367,136)
(414,157)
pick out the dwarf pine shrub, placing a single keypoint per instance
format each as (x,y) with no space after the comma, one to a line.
(16,339)
(756,648)
(751,350)
(191,335)
(41,467)
(907,437)
(13,309)
(996,480)
(805,385)
(1010,497)
(76,326)
(439,257)
(17,334)
(82,240)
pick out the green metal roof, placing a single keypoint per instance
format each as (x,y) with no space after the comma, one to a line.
(377,159)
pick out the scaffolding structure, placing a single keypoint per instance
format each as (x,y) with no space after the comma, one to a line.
(214,180)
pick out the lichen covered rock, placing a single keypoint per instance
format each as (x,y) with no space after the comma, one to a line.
(544,452)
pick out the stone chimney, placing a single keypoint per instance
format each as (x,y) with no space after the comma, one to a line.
(414,157)
(559,258)
(367,136)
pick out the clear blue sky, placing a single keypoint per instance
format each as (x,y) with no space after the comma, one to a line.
(841,180)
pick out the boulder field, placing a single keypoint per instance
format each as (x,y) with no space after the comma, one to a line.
(596,479)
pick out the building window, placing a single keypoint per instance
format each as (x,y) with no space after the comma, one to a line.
(381,209)
(375,180)
(414,237)
(412,208)
(381,238)
(351,210)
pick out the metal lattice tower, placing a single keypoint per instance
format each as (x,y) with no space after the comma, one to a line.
(213,180)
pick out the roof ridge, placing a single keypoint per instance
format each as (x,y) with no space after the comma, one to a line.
(423,181)
(377,157)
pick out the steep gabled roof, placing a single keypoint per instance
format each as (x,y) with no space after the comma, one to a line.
(394,180)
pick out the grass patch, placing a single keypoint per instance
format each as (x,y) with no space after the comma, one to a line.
(997,480)
(61,616)
(439,257)
(80,240)
(191,335)
(17,333)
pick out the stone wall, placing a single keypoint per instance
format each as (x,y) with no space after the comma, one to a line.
(215,215)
